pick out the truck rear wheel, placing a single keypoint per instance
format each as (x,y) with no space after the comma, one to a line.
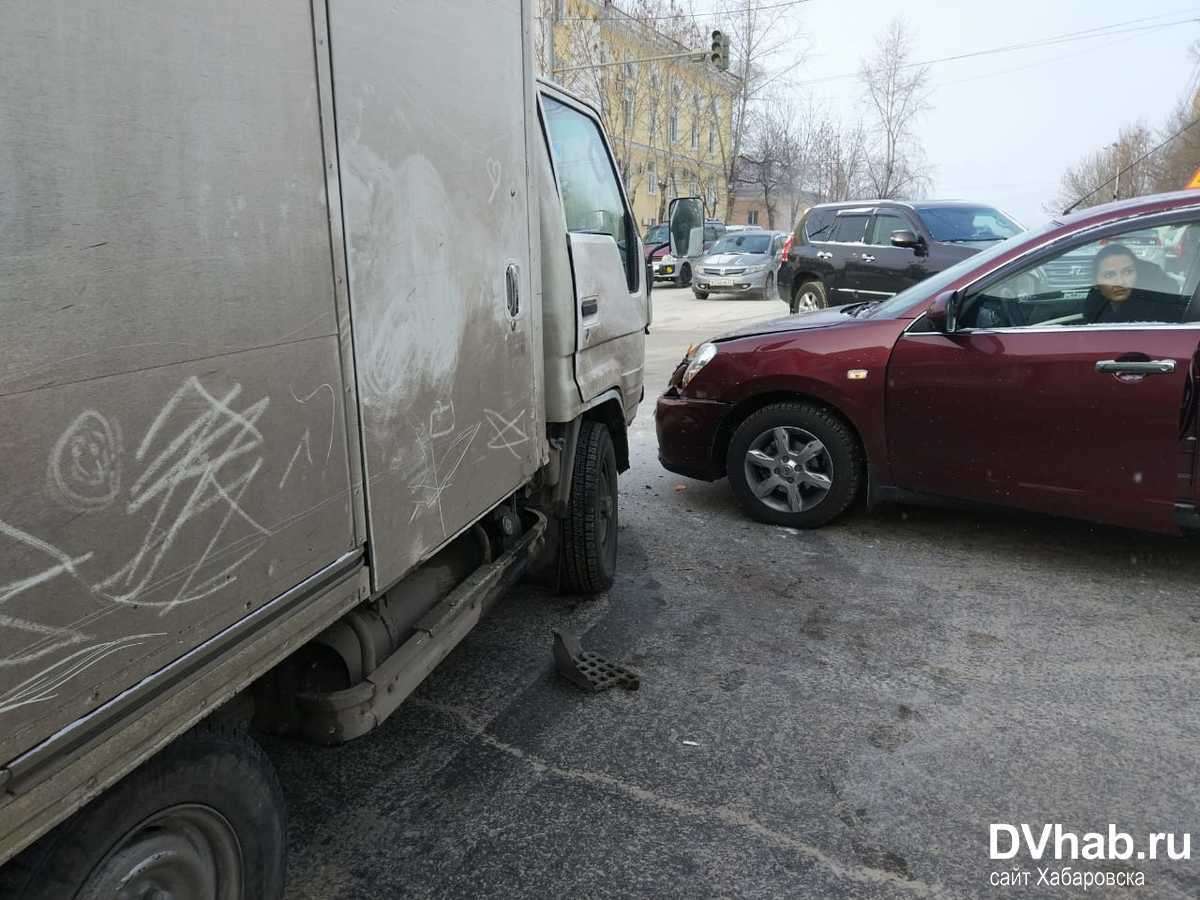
(589,546)
(203,820)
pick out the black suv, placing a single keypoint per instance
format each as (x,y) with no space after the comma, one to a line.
(847,252)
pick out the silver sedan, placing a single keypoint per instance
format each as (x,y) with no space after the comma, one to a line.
(742,262)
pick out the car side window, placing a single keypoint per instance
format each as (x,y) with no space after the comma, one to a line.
(882,227)
(587,181)
(850,229)
(819,224)
(1119,279)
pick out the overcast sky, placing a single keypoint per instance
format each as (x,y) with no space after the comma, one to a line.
(1003,127)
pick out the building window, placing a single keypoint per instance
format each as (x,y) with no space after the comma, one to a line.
(652,177)
(653,117)
(752,217)
(627,109)
(695,135)
(560,8)
(673,126)
(712,139)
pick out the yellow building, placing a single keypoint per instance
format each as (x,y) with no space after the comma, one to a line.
(669,121)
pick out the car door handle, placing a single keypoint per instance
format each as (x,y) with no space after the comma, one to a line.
(1132,367)
(866,257)
(824,254)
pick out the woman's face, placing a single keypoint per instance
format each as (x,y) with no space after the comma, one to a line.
(1116,277)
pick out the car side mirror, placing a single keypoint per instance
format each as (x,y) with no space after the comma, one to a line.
(909,240)
(943,312)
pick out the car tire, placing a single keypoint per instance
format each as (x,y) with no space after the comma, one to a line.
(700,295)
(802,485)
(768,291)
(685,275)
(809,297)
(207,806)
(589,541)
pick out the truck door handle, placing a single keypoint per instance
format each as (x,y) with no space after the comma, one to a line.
(867,258)
(589,306)
(512,291)
(1136,367)
(824,254)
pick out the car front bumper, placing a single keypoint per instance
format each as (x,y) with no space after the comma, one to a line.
(687,432)
(730,284)
(666,271)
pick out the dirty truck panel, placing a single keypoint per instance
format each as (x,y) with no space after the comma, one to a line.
(171,399)
(436,206)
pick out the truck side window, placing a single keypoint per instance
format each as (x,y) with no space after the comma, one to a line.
(586,180)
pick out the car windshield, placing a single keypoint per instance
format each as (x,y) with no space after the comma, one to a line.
(967,224)
(743,243)
(904,301)
(656,235)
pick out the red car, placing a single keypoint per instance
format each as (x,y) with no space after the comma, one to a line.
(1056,371)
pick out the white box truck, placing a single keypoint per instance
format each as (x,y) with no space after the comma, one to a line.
(323,324)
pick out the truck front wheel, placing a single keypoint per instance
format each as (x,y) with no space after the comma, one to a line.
(203,820)
(589,546)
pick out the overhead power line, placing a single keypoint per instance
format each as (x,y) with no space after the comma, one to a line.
(1104,31)
(1142,158)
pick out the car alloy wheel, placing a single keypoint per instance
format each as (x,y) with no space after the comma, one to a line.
(808,301)
(788,469)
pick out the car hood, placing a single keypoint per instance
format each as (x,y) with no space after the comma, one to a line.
(802,322)
(734,259)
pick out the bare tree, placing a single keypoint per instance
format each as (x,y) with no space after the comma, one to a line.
(897,93)
(1099,176)
(1181,157)
(756,40)
(768,163)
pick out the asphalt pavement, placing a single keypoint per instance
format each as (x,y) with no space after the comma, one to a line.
(831,714)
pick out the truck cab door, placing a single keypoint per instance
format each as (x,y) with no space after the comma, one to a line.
(612,300)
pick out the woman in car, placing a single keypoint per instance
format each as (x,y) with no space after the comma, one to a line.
(1123,293)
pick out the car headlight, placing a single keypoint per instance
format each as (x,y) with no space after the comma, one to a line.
(702,356)
(754,270)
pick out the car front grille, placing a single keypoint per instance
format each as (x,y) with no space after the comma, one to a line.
(719,271)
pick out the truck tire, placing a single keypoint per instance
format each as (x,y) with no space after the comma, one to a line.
(809,297)
(203,815)
(589,546)
(794,464)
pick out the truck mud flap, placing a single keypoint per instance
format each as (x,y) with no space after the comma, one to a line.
(339,716)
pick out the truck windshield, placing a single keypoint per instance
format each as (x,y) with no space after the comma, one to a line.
(967,224)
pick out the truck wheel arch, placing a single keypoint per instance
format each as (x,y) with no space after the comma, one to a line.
(610,413)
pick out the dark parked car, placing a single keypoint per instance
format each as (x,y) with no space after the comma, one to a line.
(843,252)
(1006,379)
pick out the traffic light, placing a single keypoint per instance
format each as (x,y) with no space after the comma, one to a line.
(720,50)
